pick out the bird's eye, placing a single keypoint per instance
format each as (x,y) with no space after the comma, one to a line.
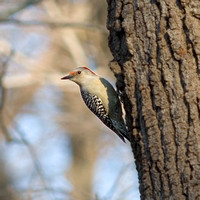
(79,72)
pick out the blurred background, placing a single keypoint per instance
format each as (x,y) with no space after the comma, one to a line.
(51,146)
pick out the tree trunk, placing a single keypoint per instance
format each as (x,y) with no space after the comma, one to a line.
(156,50)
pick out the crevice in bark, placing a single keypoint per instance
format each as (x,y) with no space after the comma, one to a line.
(198,105)
(169,44)
(179,5)
(144,138)
(162,138)
(187,34)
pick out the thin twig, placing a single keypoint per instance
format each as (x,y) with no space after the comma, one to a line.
(21,134)
(20,6)
(3,69)
(33,155)
(116,183)
(3,90)
(52,25)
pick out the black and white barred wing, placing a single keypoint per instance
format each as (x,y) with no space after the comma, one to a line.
(95,104)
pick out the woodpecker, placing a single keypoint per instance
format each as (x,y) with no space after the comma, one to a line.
(101,98)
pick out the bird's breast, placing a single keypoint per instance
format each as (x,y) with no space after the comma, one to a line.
(104,90)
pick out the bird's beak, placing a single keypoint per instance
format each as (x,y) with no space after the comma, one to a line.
(67,77)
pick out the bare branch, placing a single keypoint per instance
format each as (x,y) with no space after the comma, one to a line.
(4,15)
(33,155)
(52,25)
(3,70)
(111,192)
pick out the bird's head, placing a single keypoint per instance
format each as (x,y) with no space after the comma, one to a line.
(80,75)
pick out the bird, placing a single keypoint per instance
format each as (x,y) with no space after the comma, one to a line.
(101,98)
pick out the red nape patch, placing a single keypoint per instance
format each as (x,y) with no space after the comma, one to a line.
(89,70)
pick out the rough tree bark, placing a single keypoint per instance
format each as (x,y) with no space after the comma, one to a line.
(156,50)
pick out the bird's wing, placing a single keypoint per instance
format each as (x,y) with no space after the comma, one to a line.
(95,104)
(121,128)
